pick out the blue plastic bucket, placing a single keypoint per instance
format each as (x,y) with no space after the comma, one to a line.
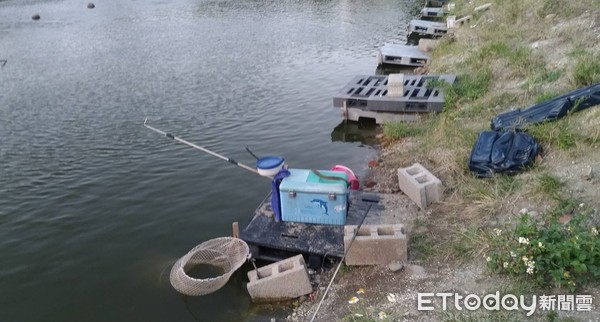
(269,166)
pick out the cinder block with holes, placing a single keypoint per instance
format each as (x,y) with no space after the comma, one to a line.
(286,279)
(375,244)
(420,185)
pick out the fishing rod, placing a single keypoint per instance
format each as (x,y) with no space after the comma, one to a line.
(232,161)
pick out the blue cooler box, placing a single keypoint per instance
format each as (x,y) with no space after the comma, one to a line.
(306,197)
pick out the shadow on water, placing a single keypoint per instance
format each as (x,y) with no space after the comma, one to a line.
(387,69)
(363,131)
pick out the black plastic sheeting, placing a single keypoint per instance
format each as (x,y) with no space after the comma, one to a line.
(502,152)
(553,109)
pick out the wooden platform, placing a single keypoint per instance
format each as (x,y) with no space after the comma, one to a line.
(274,241)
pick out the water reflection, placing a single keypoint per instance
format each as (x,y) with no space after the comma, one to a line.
(363,131)
(387,69)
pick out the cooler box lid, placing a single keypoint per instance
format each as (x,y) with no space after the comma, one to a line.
(303,180)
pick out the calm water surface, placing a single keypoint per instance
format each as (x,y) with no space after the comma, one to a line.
(94,208)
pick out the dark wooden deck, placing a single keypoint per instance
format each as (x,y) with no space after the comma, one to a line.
(274,241)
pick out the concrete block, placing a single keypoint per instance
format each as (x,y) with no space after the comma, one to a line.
(286,279)
(395,85)
(375,244)
(420,185)
(450,21)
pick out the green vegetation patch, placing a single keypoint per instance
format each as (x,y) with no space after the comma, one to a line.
(558,134)
(548,184)
(398,130)
(467,88)
(562,250)
(586,71)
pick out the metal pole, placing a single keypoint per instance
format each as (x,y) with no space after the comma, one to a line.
(371,200)
(232,161)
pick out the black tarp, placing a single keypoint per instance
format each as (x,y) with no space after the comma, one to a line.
(553,109)
(502,152)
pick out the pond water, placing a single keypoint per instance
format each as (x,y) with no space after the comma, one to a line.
(94,208)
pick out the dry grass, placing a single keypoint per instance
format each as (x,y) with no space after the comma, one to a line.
(516,54)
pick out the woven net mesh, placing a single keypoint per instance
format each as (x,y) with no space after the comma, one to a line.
(225,253)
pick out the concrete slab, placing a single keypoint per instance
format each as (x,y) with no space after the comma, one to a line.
(403,55)
(370,93)
(426,27)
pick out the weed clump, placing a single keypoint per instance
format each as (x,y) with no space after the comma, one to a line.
(561,251)
(587,71)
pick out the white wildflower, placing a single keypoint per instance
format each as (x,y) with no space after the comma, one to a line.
(513,254)
(523,240)
(525,259)
(530,267)
(488,259)
(594,231)
(540,245)
(498,231)
(505,265)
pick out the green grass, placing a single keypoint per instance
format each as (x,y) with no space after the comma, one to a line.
(520,59)
(468,243)
(422,244)
(344,269)
(400,130)
(546,96)
(563,9)
(548,184)
(586,71)
(556,134)
(547,77)
(467,88)
(497,187)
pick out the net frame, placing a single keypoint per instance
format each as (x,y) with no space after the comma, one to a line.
(226,253)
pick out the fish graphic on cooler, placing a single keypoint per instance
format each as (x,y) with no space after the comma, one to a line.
(322,204)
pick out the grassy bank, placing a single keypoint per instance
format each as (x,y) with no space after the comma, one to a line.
(518,53)
(514,55)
